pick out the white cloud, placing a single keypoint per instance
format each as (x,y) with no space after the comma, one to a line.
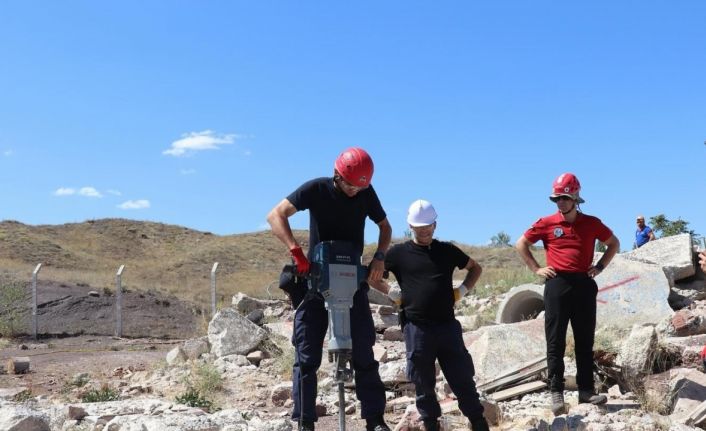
(90,192)
(135,205)
(114,192)
(64,191)
(198,141)
(187,171)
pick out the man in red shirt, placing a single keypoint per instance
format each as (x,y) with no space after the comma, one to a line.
(570,291)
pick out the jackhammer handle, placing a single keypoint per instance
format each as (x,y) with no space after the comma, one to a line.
(292,269)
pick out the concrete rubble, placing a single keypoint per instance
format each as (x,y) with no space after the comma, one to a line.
(254,361)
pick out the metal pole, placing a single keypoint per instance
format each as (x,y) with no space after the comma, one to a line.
(213,289)
(34,300)
(119,302)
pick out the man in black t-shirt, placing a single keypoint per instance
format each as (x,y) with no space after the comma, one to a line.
(424,269)
(338,208)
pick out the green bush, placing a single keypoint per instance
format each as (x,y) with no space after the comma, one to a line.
(205,379)
(193,398)
(105,393)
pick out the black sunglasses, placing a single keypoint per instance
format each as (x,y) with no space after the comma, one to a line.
(561,198)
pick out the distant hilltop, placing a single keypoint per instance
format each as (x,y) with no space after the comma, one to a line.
(169,258)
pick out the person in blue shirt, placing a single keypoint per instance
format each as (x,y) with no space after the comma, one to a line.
(644,233)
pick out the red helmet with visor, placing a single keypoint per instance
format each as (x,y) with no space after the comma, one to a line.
(567,185)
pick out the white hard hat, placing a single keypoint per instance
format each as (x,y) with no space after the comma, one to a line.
(421,213)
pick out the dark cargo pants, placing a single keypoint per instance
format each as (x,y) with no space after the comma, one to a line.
(310,325)
(425,344)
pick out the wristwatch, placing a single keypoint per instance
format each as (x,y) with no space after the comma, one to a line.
(379,255)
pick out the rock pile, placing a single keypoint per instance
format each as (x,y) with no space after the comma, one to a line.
(648,353)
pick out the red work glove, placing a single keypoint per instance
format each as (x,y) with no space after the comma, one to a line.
(300,260)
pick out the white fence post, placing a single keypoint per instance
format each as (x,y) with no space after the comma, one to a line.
(119,302)
(34,300)
(213,289)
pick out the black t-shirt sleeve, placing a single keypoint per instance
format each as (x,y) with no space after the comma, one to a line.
(391,259)
(302,196)
(376,213)
(458,257)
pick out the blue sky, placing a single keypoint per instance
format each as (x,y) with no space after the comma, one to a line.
(206,114)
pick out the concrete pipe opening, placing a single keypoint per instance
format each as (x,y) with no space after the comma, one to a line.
(521,303)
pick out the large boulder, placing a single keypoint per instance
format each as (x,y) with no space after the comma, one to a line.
(230,333)
(632,292)
(246,305)
(22,418)
(498,349)
(674,254)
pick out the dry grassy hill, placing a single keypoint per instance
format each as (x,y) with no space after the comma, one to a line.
(178,260)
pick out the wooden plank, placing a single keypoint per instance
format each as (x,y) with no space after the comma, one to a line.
(697,416)
(518,390)
(527,370)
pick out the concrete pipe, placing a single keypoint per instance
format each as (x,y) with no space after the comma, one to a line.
(523,302)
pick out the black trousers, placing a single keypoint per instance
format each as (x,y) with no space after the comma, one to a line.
(425,344)
(570,297)
(310,326)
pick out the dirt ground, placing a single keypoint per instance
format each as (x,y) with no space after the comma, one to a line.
(76,327)
(54,361)
(76,334)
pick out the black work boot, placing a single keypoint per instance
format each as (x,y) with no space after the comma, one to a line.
(376,424)
(592,398)
(479,425)
(306,426)
(558,407)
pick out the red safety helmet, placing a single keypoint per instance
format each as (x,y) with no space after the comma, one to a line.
(567,185)
(355,166)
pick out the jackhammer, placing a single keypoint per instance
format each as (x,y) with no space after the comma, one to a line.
(336,274)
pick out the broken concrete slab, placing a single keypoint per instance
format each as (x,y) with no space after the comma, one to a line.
(690,290)
(688,386)
(631,292)
(229,332)
(393,372)
(246,304)
(674,254)
(498,349)
(377,297)
(637,351)
(384,321)
(176,355)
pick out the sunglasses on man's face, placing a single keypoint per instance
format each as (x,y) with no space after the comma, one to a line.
(349,186)
(561,198)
